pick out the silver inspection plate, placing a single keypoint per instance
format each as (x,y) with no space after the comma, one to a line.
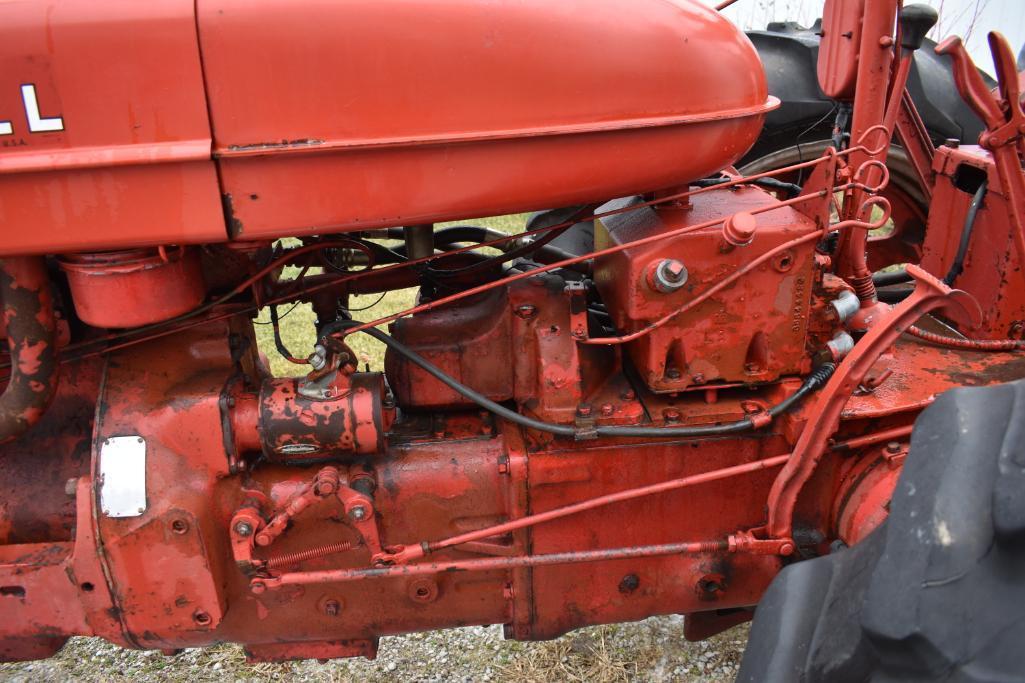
(123,476)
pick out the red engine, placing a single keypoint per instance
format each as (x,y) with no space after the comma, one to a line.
(637,406)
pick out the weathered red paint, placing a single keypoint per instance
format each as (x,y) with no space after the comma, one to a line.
(309,517)
(115,289)
(30,328)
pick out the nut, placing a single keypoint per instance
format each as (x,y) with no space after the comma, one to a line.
(332,608)
(358,513)
(667,276)
(244,529)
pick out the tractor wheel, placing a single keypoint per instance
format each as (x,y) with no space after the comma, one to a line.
(937,592)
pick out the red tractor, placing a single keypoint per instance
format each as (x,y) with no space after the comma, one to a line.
(698,385)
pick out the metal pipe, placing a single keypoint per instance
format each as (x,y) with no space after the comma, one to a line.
(31,339)
(261,584)
(419,240)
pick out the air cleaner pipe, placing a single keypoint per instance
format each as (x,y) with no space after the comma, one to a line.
(31,339)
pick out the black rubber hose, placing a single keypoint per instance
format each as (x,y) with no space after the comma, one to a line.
(792,189)
(957,267)
(540,252)
(813,382)
(894,296)
(893,277)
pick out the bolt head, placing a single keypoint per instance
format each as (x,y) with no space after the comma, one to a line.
(332,608)
(667,276)
(257,587)
(358,513)
(674,271)
(244,529)
(584,410)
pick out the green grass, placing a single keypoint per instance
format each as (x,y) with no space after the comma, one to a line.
(297,328)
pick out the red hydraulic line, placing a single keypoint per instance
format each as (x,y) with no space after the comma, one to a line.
(967,344)
(871,439)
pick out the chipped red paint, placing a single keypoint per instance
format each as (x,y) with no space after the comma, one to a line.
(30,327)
(309,517)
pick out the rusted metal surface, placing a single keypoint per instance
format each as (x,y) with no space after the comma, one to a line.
(308,517)
(30,326)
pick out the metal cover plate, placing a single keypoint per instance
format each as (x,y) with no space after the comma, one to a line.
(123,476)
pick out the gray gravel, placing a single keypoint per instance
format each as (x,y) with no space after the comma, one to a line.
(650,650)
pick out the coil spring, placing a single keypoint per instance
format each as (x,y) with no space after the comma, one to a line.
(311,554)
(864,287)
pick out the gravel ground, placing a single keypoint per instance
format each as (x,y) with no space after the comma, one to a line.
(650,650)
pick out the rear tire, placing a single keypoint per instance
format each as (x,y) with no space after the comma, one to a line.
(938,591)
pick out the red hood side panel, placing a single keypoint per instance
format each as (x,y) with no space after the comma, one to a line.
(104,131)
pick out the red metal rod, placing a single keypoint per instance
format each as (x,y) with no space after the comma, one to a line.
(894,434)
(416,551)
(488,564)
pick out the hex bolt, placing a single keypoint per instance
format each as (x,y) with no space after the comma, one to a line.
(893,447)
(358,513)
(332,608)
(583,410)
(244,529)
(70,486)
(668,275)
(607,409)
(257,587)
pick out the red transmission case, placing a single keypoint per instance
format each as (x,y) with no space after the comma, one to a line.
(753,331)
